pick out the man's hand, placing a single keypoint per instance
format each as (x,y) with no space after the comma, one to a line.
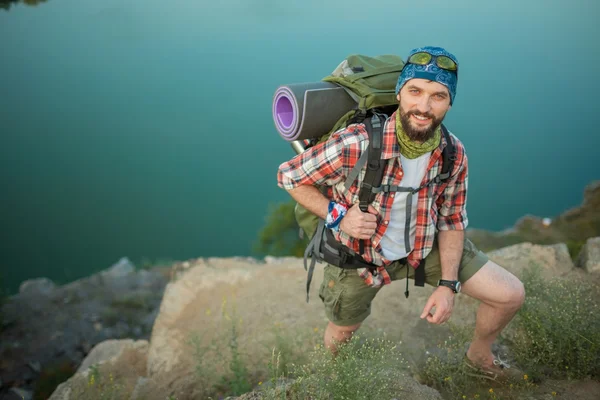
(358,224)
(443,301)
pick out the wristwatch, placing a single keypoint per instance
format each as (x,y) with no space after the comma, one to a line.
(454,285)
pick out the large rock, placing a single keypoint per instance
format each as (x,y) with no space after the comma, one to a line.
(118,366)
(47,327)
(552,260)
(211,302)
(589,257)
(39,286)
(111,349)
(210,298)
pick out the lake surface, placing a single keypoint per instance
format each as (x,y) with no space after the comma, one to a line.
(144,129)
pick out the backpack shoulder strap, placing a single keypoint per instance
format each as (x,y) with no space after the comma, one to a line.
(448,156)
(375,165)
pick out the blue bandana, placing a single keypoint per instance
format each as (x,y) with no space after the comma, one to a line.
(430,71)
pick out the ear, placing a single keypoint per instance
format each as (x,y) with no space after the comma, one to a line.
(398,96)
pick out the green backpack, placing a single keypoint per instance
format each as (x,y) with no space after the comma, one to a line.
(371,82)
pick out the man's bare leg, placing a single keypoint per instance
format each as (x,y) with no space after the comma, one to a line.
(338,334)
(501,295)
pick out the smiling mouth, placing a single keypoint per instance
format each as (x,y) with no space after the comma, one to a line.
(421,119)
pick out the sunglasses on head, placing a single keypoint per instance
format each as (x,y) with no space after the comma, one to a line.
(424,58)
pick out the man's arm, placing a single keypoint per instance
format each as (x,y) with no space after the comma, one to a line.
(451,248)
(311,198)
(327,164)
(452,220)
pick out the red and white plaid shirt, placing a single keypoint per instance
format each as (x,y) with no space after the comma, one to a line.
(440,206)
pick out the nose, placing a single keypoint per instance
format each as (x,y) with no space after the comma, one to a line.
(424,105)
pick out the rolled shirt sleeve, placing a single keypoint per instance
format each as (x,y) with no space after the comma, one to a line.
(326,163)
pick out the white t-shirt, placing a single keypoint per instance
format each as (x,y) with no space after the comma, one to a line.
(392,242)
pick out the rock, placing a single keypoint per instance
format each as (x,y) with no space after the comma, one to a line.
(589,257)
(62,392)
(553,260)
(278,260)
(140,385)
(121,269)
(120,364)
(111,349)
(35,366)
(23,394)
(39,286)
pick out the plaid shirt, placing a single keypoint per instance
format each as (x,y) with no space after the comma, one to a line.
(440,206)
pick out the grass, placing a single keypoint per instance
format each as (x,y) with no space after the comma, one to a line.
(365,368)
(445,371)
(232,376)
(558,328)
(555,335)
(105,385)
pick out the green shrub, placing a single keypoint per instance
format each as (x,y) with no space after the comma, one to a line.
(280,234)
(445,370)
(363,369)
(235,378)
(558,327)
(575,247)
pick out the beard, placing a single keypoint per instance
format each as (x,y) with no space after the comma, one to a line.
(415,133)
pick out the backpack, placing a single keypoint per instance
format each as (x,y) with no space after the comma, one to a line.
(371,82)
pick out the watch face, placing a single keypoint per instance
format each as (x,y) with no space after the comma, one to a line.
(458,286)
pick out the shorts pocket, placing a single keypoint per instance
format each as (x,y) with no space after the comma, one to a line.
(331,290)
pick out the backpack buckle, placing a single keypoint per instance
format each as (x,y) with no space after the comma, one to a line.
(360,115)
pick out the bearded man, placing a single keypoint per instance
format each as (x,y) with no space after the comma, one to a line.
(418,230)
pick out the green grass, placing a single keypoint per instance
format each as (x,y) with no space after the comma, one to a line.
(445,371)
(558,328)
(555,335)
(365,368)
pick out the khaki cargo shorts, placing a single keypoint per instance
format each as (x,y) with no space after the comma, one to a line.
(347,298)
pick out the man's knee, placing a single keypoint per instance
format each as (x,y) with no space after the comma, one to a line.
(496,286)
(515,295)
(341,333)
(518,295)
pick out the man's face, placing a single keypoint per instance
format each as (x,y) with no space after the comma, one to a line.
(423,106)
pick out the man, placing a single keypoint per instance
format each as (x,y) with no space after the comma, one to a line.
(401,230)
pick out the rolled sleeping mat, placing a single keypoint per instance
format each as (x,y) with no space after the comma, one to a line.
(307,110)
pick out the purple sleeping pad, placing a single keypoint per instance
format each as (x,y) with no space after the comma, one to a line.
(308,110)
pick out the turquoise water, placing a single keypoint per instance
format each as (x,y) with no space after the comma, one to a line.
(144,129)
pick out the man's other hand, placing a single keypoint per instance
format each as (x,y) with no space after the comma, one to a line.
(443,301)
